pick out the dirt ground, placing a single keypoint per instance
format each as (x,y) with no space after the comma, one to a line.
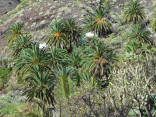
(7,5)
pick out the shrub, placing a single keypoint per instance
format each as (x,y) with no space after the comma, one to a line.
(153,21)
(134,12)
(5,75)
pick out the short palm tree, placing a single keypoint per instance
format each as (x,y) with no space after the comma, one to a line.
(72,32)
(75,61)
(40,84)
(134,12)
(153,21)
(58,57)
(140,34)
(22,42)
(14,32)
(76,58)
(63,75)
(30,57)
(57,38)
(98,23)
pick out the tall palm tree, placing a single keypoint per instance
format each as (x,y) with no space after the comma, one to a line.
(140,34)
(72,32)
(63,75)
(153,21)
(134,12)
(98,23)
(57,38)
(40,84)
(31,56)
(14,32)
(22,42)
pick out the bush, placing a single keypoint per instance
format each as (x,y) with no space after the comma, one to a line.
(5,74)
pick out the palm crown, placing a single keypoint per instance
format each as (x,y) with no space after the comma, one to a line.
(20,44)
(72,32)
(41,85)
(98,22)
(138,33)
(57,39)
(98,58)
(14,32)
(134,12)
(30,57)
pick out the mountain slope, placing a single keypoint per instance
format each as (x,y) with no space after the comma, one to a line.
(36,15)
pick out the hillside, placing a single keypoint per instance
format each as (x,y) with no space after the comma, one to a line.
(78,58)
(36,15)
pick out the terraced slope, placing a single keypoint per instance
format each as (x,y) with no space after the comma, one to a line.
(36,15)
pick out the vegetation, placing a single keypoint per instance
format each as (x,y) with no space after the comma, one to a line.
(5,74)
(153,21)
(76,75)
(134,12)
(98,22)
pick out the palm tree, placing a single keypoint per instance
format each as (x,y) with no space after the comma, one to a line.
(98,23)
(72,32)
(98,59)
(134,12)
(22,42)
(30,57)
(57,38)
(63,74)
(140,34)
(153,21)
(75,61)
(40,84)
(58,57)
(14,32)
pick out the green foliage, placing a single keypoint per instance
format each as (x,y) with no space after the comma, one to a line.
(9,106)
(72,32)
(56,38)
(134,12)
(14,32)
(22,42)
(65,34)
(31,56)
(5,75)
(98,22)
(97,58)
(63,75)
(58,56)
(40,85)
(82,77)
(140,34)
(153,21)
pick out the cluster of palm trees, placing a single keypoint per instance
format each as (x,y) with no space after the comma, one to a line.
(139,36)
(69,60)
(65,61)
